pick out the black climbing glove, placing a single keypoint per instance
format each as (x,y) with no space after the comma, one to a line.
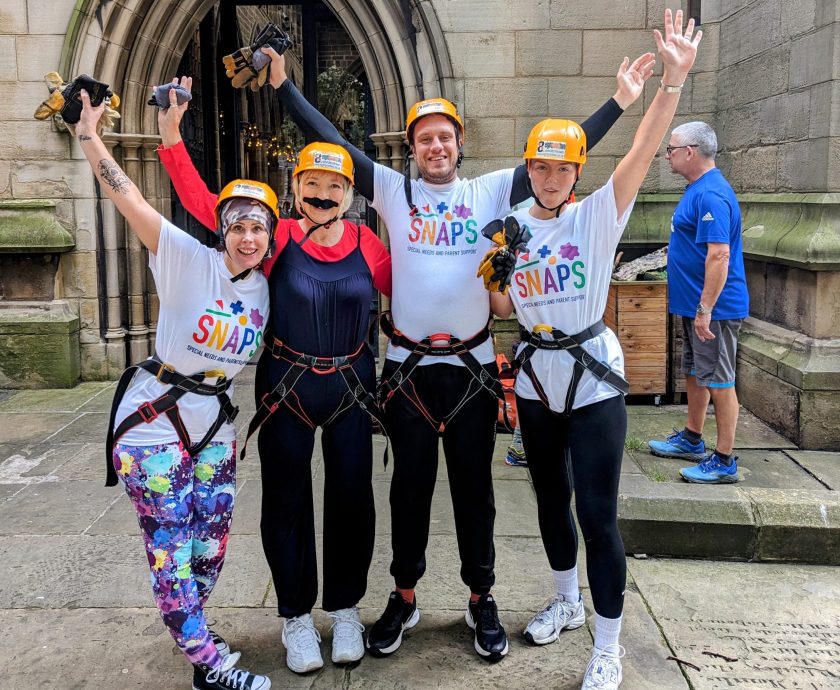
(499,263)
(249,65)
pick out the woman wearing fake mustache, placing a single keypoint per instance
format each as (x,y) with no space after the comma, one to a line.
(316,371)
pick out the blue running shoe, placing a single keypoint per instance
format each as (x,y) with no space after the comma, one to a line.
(678,446)
(712,471)
(516,457)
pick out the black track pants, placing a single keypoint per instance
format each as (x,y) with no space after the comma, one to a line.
(582,452)
(468,447)
(288,516)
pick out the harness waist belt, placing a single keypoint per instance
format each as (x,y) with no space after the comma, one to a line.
(558,340)
(301,363)
(167,404)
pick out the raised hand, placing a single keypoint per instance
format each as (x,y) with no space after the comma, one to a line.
(277,72)
(677,50)
(169,119)
(631,78)
(88,123)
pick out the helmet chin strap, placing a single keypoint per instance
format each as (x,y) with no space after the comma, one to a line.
(555,209)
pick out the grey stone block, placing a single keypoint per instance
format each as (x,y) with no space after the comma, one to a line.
(739,37)
(809,57)
(548,53)
(599,14)
(495,15)
(684,520)
(754,78)
(506,97)
(484,54)
(797,525)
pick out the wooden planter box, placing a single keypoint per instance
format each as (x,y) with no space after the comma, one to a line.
(637,312)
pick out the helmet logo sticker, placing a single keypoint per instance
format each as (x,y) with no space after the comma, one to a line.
(551,149)
(249,190)
(323,159)
(430,107)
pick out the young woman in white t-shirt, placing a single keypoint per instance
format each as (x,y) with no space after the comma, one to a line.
(573,431)
(175,449)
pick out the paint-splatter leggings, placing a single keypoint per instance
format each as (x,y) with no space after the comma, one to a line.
(184,506)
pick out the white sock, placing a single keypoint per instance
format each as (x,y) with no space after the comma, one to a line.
(517,439)
(566,583)
(607,631)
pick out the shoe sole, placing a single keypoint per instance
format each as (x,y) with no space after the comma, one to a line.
(348,660)
(266,686)
(551,638)
(413,620)
(721,480)
(483,653)
(697,457)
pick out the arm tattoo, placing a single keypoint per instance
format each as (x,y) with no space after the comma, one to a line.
(114,177)
(84,137)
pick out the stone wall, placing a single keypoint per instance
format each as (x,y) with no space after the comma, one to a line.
(777,94)
(516,63)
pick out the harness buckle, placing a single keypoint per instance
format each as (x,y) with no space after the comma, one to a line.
(167,369)
(147,412)
(543,328)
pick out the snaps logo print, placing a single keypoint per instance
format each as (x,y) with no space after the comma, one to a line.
(441,225)
(551,271)
(221,330)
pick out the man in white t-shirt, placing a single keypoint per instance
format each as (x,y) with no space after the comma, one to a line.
(434,225)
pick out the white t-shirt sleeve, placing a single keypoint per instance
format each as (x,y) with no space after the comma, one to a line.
(178,255)
(387,185)
(498,185)
(598,211)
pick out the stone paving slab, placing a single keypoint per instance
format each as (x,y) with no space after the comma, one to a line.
(61,571)
(32,427)
(55,508)
(28,463)
(646,422)
(823,466)
(779,624)
(59,400)
(771,469)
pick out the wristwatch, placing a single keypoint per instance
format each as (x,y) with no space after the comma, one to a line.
(703,310)
(670,88)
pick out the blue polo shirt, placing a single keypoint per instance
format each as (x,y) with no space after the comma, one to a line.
(707,212)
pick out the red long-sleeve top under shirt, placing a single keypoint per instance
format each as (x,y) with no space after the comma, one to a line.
(200,202)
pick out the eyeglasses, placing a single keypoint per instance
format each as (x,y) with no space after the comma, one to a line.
(670,149)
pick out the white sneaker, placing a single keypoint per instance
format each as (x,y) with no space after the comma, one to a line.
(303,644)
(348,644)
(604,670)
(559,615)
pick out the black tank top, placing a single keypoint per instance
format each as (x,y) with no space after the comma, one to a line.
(319,307)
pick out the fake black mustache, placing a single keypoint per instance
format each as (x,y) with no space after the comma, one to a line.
(323,204)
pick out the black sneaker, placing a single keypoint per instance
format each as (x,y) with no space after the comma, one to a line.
(385,637)
(490,638)
(227,677)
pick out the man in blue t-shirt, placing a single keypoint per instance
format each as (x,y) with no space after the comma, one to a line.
(707,287)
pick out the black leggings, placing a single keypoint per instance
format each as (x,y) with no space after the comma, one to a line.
(583,451)
(468,446)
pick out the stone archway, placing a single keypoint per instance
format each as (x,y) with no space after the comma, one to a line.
(136,43)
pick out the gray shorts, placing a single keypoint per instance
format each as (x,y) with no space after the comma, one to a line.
(712,363)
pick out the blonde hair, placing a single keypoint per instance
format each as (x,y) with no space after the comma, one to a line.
(299,179)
